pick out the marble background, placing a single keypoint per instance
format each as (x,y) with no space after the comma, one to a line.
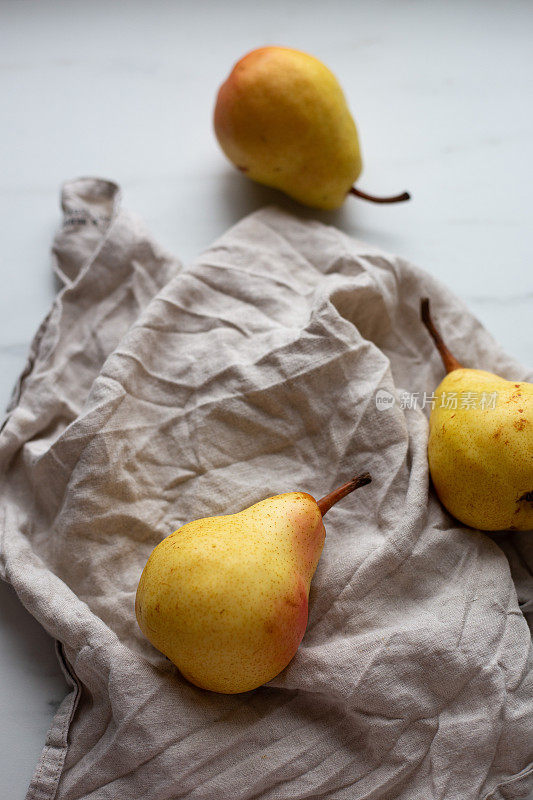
(442,93)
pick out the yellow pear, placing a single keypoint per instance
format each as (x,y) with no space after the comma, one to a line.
(480,446)
(225,598)
(281,117)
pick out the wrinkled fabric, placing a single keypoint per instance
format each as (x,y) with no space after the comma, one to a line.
(154,395)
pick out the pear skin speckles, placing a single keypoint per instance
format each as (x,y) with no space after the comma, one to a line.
(481,460)
(226,598)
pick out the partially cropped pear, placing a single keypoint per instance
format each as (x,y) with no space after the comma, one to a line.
(281,117)
(480,447)
(225,598)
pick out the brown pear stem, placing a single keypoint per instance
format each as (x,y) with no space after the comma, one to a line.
(395,198)
(337,494)
(449,360)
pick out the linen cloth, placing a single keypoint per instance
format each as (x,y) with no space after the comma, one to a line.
(154,395)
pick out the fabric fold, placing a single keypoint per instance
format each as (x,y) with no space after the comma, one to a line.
(155,396)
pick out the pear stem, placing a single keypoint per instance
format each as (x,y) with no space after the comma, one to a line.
(449,360)
(337,494)
(396,198)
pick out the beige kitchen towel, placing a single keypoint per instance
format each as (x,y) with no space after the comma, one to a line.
(154,395)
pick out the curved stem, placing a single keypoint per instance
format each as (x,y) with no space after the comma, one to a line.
(337,494)
(449,360)
(396,198)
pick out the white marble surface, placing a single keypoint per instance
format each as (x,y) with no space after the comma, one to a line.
(442,93)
